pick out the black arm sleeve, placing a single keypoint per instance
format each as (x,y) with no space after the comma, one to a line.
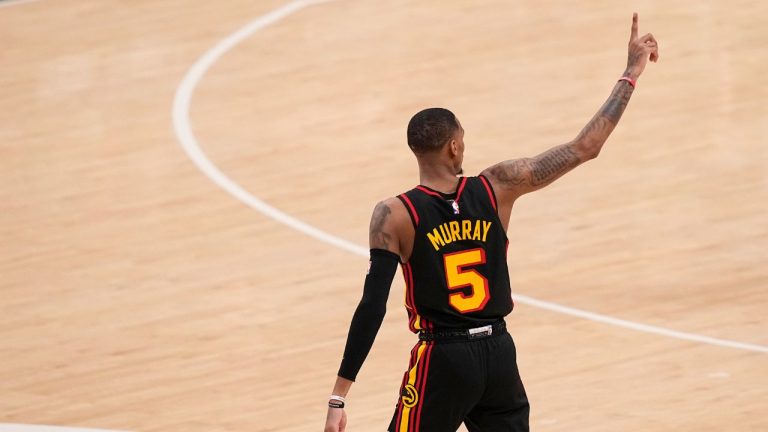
(370,312)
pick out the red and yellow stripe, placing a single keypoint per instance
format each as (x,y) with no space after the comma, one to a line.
(413,389)
(415,321)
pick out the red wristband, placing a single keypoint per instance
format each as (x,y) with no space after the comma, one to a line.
(631,82)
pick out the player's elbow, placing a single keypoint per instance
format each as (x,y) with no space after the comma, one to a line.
(588,149)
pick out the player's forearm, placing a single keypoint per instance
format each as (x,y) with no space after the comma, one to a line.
(590,140)
(342,386)
(362,333)
(369,313)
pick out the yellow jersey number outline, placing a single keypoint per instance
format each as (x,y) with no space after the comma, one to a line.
(457,277)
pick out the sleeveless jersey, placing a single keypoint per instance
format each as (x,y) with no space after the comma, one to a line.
(457,275)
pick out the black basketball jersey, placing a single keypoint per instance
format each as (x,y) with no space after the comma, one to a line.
(457,275)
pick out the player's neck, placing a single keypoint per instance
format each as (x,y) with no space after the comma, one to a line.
(438,177)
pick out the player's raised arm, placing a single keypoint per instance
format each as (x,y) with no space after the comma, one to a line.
(385,233)
(516,177)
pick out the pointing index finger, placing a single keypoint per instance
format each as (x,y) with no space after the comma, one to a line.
(633,35)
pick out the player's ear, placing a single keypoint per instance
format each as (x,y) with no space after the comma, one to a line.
(454,147)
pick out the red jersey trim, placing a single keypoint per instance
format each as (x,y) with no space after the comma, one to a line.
(489,189)
(428,192)
(411,209)
(460,189)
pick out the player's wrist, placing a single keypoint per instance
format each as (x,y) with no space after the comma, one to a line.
(631,82)
(336,401)
(631,73)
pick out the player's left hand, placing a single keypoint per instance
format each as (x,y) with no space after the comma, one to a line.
(336,421)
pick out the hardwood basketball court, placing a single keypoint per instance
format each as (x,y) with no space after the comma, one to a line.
(136,294)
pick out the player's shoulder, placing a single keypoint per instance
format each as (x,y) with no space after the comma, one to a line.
(390,212)
(391,206)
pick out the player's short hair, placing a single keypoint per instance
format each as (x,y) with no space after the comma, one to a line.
(430,129)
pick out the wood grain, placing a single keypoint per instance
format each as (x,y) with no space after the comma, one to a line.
(137,295)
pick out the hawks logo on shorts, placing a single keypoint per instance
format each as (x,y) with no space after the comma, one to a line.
(408,414)
(410,396)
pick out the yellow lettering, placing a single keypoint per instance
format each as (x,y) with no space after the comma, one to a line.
(486,228)
(476,234)
(435,239)
(446,234)
(455,230)
(466,227)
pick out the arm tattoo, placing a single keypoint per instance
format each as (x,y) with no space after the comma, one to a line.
(511,173)
(532,173)
(377,237)
(602,124)
(552,164)
(615,105)
(538,171)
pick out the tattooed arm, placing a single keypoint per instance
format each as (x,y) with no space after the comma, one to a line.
(381,234)
(520,176)
(516,177)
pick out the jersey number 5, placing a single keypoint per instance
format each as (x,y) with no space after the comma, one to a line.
(458,277)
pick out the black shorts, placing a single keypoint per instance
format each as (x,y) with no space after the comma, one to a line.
(471,381)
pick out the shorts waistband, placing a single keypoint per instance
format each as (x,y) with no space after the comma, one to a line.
(457,335)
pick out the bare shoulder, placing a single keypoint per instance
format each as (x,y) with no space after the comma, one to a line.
(390,210)
(387,222)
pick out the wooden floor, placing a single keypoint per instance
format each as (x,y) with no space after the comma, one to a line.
(135,294)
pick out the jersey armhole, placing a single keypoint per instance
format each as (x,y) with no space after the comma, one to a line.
(489,189)
(411,209)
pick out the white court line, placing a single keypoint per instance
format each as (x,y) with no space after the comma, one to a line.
(12,427)
(181,123)
(7,3)
(188,141)
(554,307)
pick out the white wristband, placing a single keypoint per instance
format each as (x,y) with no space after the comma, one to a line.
(338,398)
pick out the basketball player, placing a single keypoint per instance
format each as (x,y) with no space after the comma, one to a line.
(449,236)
